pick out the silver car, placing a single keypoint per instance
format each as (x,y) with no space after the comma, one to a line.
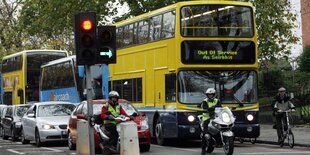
(46,122)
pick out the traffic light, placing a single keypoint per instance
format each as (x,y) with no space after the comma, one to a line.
(106,44)
(85,38)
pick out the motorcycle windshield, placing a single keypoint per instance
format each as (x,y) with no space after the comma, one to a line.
(237,86)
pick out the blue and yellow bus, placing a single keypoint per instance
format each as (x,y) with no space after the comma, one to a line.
(63,80)
(20,72)
(169,57)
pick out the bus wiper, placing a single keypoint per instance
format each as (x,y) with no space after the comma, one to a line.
(238,101)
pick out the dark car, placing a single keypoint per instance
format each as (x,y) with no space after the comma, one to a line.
(2,113)
(80,112)
(11,123)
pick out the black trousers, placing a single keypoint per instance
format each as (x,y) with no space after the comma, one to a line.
(113,133)
(204,132)
(281,117)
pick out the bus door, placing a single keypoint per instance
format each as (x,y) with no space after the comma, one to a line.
(159,84)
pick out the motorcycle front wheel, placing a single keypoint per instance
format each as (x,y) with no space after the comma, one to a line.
(228,145)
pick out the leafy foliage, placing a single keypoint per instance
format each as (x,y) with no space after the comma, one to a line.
(50,23)
(304,60)
(30,24)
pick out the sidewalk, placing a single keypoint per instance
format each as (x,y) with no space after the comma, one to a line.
(269,135)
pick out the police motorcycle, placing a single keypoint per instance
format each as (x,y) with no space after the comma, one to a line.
(220,130)
(105,145)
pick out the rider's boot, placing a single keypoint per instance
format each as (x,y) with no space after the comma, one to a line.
(203,145)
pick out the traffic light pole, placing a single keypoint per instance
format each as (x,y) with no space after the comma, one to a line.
(90,110)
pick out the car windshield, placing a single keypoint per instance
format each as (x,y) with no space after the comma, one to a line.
(96,108)
(55,110)
(21,110)
(231,86)
(129,109)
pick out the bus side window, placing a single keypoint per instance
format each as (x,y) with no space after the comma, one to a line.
(170,80)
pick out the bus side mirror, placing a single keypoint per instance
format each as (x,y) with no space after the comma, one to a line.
(81,72)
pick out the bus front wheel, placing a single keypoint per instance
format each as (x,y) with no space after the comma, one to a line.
(159,133)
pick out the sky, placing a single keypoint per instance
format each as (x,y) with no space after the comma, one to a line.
(297,48)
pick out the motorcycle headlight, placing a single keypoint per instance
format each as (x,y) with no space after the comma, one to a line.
(250,117)
(47,126)
(191,118)
(144,125)
(225,117)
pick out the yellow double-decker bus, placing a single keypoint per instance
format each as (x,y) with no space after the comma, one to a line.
(169,57)
(21,71)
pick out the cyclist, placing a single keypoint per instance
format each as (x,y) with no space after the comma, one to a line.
(282,104)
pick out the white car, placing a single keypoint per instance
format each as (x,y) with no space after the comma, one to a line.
(46,122)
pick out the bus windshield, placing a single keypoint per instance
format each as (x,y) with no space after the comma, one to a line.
(232,86)
(216,21)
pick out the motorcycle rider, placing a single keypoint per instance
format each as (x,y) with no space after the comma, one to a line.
(208,105)
(282,103)
(108,114)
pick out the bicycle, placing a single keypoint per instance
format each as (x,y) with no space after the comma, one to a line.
(287,133)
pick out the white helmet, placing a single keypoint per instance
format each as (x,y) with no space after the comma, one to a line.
(113,94)
(211,91)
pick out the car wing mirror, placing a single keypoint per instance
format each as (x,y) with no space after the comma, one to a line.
(31,115)
(81,116)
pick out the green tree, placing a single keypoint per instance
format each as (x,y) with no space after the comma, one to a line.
(275,28)
(304,60)
(49,24)
(10,34)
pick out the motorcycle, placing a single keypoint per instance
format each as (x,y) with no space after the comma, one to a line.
(105,145)
(220,130)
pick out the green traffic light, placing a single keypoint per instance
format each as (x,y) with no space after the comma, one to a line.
(106,52)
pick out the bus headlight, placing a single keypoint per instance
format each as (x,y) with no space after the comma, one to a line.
(191,118)
(225,117)
(250,117)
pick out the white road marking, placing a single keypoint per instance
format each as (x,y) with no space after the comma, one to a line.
(51,149)
(258,153)
(191,150)
(14,151)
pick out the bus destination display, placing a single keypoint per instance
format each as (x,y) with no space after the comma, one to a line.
(218,52)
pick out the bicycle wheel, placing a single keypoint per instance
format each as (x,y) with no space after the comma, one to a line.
(290,139)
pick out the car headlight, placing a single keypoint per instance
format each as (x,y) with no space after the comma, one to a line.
(144,125)
(191,118)
(225,117)
(47,127)
(250,117)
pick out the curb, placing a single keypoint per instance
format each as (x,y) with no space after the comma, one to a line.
(275,143)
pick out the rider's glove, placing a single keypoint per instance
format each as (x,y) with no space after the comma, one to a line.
(293,110)
(279,110)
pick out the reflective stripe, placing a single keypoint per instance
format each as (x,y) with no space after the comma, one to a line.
(115,112)
(206,116)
